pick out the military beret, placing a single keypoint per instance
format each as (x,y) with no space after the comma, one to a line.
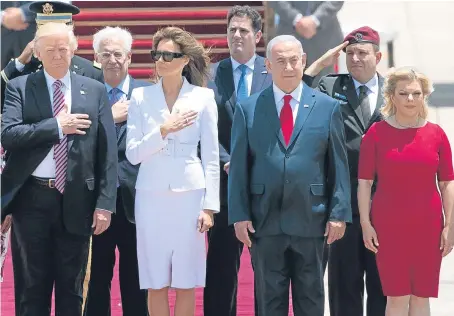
(53,11)
(364,34)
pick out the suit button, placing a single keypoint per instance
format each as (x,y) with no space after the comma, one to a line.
(287,181)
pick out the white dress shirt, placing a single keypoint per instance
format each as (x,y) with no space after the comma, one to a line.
(294,102)
(46,169)
(249,74)
(372,91)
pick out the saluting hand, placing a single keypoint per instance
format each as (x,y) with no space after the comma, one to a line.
(73,123)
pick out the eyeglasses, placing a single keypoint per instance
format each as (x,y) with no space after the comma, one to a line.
(106,55)
(166,56)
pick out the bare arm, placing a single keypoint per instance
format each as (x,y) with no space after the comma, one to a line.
(364,196)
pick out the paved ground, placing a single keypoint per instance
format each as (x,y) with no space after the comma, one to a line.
(444,305)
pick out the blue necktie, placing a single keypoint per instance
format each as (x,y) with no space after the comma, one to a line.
(114,96)
(242,92)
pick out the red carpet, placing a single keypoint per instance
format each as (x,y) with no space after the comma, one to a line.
(245,291)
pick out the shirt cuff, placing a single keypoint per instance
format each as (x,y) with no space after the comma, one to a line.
(22,13)
(316,20)
(60,130)
(101,209)
(297,18)
(19,66)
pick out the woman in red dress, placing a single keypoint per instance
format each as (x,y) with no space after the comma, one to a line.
(408,157)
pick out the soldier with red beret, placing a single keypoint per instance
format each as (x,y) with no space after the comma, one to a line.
(359,92)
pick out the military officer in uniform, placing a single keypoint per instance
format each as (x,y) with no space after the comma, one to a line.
(359,92)
(48,11)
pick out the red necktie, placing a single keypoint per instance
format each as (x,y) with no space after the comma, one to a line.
(61,149)
(286,118)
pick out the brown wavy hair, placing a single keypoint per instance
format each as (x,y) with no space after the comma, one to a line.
(407,74)
(197,71)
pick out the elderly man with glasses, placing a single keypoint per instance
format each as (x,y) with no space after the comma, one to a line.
(113,51)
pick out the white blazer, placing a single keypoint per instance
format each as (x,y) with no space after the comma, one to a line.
(172,163)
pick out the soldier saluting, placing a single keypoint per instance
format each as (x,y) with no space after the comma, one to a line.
(359,92)
(26,63)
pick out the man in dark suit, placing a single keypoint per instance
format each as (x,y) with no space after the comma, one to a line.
(59,181)
(113,51)
(18,28)
(45,12)
(235,78)
(288,183)
(360,95)
(314,23)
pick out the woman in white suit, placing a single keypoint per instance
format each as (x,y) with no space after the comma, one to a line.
(176,191)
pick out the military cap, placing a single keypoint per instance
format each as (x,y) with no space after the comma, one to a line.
(364,34)
(53,11)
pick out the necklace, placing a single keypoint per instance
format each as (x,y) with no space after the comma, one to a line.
(406,126)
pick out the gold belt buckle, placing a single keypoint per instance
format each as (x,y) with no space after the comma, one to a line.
(51,183)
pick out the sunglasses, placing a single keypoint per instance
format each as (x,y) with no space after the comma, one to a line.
(166,56)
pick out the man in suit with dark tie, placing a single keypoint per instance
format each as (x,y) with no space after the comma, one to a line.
(235,78)
(59,181)
(112,48)
(359,92)
(289,185)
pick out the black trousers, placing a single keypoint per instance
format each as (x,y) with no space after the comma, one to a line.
(121,234)
(223,264)
(45,255)
(283,261)
(348,262)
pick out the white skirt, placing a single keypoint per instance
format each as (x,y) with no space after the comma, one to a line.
(171,252)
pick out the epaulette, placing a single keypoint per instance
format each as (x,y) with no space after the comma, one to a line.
(96,64)
(4,76)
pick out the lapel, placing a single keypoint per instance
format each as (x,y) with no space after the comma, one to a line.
(225,79)
(380,101)
(269,108)
(306,105)
(131,87)
(42,97)
(349,88)
(74,68)
(78,100)
(259,75)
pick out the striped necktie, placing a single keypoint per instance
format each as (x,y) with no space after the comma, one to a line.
(60,149)
(114,96)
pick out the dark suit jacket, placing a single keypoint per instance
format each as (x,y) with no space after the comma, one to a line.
(127,173)
(329,33)
(29,131)
(290,190)
(342,88)
(225,95)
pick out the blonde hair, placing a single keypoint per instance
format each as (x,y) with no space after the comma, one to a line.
(407,74)
(52,28)
(197,71)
